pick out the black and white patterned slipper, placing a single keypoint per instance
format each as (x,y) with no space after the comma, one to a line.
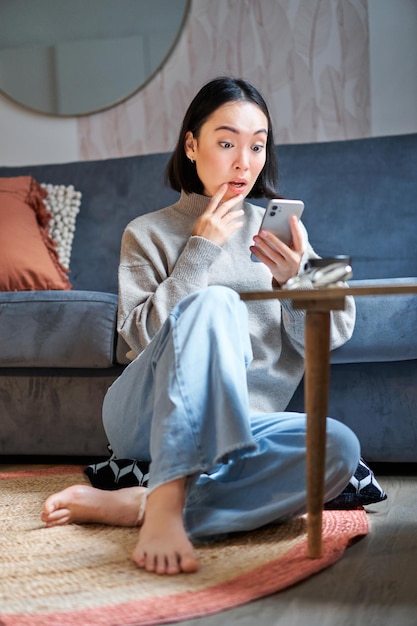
(363,488)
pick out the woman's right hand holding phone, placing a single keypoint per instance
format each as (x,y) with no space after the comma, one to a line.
(282,260)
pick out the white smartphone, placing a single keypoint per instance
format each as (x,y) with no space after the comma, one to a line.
(277,219)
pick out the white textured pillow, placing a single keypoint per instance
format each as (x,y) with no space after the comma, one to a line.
(64,204)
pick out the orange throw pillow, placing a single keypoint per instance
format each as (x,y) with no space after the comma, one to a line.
(28,256)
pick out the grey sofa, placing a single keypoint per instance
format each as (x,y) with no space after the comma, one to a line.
(59,350)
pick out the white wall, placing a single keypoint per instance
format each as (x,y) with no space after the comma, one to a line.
(393,65)
(30,138)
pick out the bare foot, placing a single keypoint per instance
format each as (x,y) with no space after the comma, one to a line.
(163,546)
(84,504)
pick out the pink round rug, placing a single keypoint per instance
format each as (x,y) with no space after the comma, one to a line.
(84,575)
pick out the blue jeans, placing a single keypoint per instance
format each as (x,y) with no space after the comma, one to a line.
(183,404)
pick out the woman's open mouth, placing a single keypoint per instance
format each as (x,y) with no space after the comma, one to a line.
(238,185)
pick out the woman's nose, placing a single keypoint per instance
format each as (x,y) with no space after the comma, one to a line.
(242,161)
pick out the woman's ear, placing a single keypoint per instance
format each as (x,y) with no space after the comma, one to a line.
(189,145)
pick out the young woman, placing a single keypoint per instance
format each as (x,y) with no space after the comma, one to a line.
(210,377)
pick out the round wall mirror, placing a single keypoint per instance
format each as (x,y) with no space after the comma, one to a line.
(76,57)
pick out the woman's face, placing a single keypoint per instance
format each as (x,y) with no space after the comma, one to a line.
(230,148)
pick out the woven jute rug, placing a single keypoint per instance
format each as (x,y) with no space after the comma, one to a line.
(84,574)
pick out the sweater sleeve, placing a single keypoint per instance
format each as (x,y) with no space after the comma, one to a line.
(150,285)
(341,322)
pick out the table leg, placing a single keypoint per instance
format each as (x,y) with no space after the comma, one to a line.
(317,372)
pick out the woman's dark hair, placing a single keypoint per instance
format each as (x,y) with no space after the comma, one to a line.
(182,174)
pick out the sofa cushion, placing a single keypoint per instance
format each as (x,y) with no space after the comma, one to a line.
(28,255)
(114,192)
(72,329)
(360,198)
(63,202)
(385,328)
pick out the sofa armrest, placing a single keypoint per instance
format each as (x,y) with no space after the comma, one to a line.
(75,329)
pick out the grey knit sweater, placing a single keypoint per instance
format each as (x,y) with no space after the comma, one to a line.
(161,262)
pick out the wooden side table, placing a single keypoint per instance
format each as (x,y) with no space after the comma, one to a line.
(318,303)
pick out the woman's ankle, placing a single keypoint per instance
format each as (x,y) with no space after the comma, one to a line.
(170,495)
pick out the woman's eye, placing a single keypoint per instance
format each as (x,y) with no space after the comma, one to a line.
(257,148)
(226,144)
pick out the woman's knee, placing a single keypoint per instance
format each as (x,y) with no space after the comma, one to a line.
(342,444)
(218,309)
(211,300)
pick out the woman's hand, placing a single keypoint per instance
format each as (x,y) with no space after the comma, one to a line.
(282,260)
(219,221)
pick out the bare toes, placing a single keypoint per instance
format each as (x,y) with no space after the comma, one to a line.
(140,559)
(151,564)
(172,564)
(189,564)
(56,518)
